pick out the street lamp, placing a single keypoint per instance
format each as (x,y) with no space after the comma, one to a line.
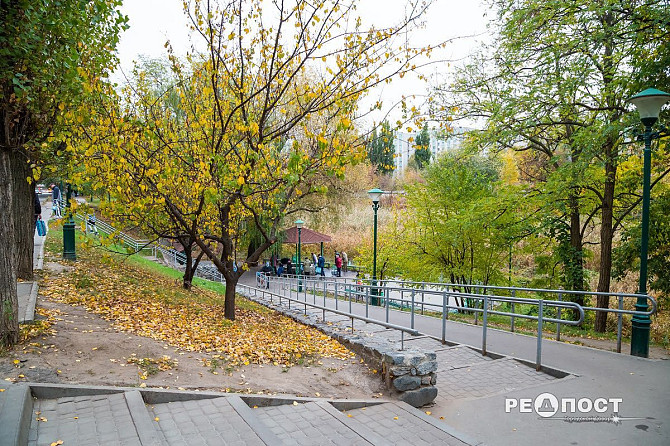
(298,224)
(69,252)
(375,195)
(648,104)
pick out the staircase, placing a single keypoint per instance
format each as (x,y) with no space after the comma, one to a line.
(41,414)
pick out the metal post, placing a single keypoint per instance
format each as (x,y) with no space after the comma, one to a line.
(402,340)
(412,314)
(386,298)
(367,301)
(619,326)
(476,291)
(444,317)
(512,311)
(375,299)
(558,314)
(639,342)
(538,357)
(69,252)
(484,322)
(423,297)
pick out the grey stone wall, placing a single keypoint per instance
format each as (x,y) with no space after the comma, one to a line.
(409,374)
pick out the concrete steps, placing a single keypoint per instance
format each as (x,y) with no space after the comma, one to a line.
(41,414)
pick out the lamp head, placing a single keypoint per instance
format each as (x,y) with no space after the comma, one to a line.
(648,104)
(375,194)
(299,223)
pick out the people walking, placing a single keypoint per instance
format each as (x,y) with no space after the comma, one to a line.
(345,262)
(338,264)
(55,201)
(322,265)
(90,224)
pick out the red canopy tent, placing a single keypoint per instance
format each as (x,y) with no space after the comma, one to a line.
(307,237)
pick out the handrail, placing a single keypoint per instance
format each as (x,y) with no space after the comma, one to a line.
(329,288)
(401,328)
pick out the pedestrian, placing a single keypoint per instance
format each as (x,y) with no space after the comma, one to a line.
(90,224)
(315,259)
(338,265)
(38,209)
(280,270)
(322,265)
(55,200)
(345,262)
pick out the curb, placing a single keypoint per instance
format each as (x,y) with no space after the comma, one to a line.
(15,415)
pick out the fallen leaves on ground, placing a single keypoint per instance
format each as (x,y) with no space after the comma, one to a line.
(148,304)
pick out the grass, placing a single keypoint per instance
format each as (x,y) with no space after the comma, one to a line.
(147,299)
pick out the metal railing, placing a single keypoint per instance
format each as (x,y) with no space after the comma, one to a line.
(438,299)
(488,299)
(266,292)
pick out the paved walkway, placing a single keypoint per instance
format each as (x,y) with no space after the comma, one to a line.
(472,389)
(44,414)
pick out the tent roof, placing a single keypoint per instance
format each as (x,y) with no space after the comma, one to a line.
(307,236)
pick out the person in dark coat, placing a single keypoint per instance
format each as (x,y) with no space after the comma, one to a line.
(38,209)
(322,265)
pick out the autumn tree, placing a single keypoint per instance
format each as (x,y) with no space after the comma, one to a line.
(380,148)
(49,52)
(422,148)
(556,83)
(268,111)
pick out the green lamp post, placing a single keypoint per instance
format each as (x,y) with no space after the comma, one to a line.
(648,104)
(375,195)
(69,252)
(298,224)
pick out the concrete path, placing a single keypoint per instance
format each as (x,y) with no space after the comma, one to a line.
(44,414)
(474,391)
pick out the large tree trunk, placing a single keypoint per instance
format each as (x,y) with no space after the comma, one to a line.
(24,225)
(606,234)
(9,307)
(229,303)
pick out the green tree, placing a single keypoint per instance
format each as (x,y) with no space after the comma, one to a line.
(456,225)
(422,148)
(381,149)
(268,112)
(50,51)
(556,83)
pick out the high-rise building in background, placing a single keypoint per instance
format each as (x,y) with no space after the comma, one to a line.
(404,145)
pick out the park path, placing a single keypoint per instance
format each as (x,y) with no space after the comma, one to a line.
(472,389)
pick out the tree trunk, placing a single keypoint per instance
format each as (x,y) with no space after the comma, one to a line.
(9,306)
(229,303)
(606,234)
(23,208)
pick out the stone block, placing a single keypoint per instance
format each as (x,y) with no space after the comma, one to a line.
(419,397)
(400,370)
(426,367)
(406,382)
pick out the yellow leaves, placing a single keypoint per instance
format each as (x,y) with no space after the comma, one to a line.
(156,307)
(240,180)
(157,419)
(57,443)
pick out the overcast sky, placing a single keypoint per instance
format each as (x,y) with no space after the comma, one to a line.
(153,22)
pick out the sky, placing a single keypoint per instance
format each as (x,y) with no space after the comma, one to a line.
(153,22)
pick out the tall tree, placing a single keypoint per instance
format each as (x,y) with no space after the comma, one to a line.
(556,83)
(380,148)
(422,148)
(268,112)
(50,50)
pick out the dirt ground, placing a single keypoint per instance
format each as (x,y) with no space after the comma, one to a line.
(86,349)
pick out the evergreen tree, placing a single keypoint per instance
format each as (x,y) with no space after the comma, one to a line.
(381,150)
